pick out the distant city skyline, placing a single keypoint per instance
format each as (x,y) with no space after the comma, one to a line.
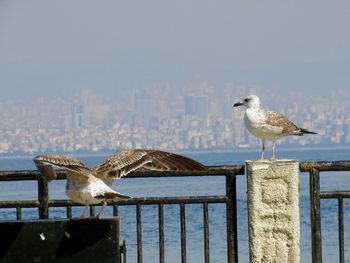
(167,117)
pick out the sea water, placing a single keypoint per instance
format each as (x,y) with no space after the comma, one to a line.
(139,187)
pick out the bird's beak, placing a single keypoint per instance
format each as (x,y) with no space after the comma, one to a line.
(238,104)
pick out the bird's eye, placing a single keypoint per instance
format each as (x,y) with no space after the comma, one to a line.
(246,100)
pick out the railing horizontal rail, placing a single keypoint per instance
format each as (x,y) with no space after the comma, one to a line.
(212,171)
(22,203)
(132,201)
(152,201)
(334,194)
(325,166)
(20,175)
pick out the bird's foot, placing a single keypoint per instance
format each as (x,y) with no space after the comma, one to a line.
(82,216)
(272,159)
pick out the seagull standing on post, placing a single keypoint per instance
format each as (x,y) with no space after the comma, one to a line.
(268,125)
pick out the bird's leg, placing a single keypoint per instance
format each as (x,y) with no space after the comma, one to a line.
(82,216)
(104,204)
(273,151)
(262,151)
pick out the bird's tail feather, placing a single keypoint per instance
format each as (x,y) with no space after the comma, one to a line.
(113,196)
(307,132)
(118,195)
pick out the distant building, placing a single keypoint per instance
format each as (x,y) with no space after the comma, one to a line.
(77,116)
(197,105)
(143,109)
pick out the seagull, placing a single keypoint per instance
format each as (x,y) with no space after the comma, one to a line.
(268,125)
(92,186)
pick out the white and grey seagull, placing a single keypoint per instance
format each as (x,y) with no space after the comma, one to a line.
(93,186)
(268,125)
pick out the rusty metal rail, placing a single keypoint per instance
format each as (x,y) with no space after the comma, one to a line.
(230,199)
(314,169)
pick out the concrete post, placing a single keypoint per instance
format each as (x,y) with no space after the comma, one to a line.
(273,209)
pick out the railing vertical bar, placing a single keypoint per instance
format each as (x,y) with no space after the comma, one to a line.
(206,233)
(139,233)
(18,213)
(69,212)
(43,197)
(92,210)
(115,210)
(119,248)
(231,218)
(161,232)
(315,208)
(183,232)
(124,251)
(341,230)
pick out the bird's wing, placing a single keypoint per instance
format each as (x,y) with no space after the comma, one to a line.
(121,163)
(165,161)
(124,161)
(45,164)
(277,119)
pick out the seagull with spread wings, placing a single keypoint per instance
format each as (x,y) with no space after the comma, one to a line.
(92,186)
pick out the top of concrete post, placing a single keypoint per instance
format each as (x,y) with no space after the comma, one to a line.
(272,162)
(265,164)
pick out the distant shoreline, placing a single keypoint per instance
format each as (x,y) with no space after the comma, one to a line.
(216,151)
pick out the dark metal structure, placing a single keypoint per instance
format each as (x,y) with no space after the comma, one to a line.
(230,199)
(60,240)
(314,169)
(230,172)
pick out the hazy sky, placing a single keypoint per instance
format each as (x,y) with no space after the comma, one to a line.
(144,35)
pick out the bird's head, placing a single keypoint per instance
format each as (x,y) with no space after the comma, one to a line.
(252,101)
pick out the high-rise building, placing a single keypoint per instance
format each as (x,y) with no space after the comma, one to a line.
(77,116)
(143,109)
(197,105)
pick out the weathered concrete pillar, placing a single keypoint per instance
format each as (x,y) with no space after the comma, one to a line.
(273,208)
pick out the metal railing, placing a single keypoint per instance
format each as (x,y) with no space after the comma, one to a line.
(230,199)
(314,169)
(230,172)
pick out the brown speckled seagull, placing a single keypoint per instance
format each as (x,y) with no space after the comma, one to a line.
(92,186)
(268,125)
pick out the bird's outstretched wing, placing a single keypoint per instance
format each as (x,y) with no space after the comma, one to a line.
(165,161)
(45,164)
(124,161)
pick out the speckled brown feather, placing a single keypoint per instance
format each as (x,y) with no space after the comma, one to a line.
(121,163)
(44,164)
(165,161)
(124,161)
(279,120)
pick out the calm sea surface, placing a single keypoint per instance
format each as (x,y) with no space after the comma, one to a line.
(194,213)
